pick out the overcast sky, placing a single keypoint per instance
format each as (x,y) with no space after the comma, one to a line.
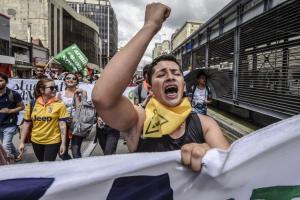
(130,15)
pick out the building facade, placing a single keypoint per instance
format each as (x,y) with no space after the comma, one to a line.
(156,50)
(22,52)
(27,55)
(165,47)
(257,44)
(55,23)
(102,13)
(183,33)
(6,60)
(161,48)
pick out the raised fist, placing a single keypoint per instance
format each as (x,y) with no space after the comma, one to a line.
(156,14)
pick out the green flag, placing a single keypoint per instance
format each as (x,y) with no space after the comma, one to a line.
(73,59)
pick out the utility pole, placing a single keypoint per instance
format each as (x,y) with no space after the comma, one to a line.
(29,40)
(28,24)
(108,5)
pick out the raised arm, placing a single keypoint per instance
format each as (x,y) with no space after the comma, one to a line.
(116,110)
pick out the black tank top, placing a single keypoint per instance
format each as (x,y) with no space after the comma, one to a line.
(193,134)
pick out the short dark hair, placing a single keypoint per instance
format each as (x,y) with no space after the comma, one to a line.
(4,77)
(201,73)
(145,70)
(79,73)
(165,57)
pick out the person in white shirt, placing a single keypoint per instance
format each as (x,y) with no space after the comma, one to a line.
(200,95)
(71,97)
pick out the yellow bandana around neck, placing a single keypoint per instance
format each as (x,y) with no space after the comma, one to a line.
(162,120)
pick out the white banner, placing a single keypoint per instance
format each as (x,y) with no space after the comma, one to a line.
(262,165)
(25,88)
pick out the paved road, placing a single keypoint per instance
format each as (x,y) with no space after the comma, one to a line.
(29,157)
(121,149)
(88,148)
(232,127)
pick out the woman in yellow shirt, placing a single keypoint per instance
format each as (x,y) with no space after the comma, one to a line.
(46,122)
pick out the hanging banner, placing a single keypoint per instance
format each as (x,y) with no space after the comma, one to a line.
(262,165)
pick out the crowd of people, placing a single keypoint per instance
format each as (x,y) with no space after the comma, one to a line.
(163,117)
(56,72)
(48,118)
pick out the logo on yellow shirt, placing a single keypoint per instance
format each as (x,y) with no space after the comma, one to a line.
(50,109)
(44,119)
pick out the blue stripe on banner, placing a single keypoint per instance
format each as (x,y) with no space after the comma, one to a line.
(141,187)
(24,189)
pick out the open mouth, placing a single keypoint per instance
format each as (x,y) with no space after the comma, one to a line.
(171,90)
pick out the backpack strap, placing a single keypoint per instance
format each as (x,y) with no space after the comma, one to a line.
(11,96)
(140,86)
(193,92)
(208,92)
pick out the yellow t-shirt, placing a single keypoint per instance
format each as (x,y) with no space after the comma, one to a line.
(45,120)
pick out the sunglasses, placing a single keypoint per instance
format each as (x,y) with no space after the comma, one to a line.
(69,78)
(53,87)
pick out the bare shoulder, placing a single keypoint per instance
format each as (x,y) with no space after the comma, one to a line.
(207,122)
(212,133)
(133,134)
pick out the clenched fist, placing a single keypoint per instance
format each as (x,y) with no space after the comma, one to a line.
(192,154)
(156,14)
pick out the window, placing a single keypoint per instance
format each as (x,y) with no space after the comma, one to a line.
(52,30)
(4,47)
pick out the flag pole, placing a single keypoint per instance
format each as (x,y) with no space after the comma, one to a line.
(47,67)
(49,62)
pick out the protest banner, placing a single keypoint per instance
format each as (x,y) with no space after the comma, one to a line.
(73,59)
(262,165)
(25,88)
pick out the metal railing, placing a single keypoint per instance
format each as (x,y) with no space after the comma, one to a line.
(259,47)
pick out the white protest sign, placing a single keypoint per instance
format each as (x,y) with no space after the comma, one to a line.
(25,88)
(262,165)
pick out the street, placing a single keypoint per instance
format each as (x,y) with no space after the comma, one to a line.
(232,128)
(88,148)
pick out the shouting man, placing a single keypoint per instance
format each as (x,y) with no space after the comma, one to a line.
(167,122)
